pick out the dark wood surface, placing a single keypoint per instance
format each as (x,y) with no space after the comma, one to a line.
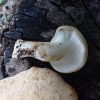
(82,14)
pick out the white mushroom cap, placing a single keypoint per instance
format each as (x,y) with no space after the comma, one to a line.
(67,52)
(74,50)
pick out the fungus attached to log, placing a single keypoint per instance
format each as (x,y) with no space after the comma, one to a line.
(36,84)
(67,52)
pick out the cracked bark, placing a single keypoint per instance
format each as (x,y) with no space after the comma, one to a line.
(86,81)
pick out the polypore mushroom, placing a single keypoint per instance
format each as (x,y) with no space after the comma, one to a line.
(67,52)
(36,84)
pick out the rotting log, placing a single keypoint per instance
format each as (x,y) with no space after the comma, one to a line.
(34,21)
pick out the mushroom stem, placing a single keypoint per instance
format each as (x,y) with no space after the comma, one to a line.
(44,51)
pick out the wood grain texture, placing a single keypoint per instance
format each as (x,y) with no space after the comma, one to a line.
(32,22)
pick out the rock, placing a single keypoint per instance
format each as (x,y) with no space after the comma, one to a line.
(15,66)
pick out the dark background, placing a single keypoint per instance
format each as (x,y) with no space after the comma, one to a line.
(34,18)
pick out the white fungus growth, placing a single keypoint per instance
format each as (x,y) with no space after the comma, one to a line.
(67,52)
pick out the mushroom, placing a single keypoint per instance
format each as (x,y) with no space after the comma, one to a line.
(67,52)
(36,84)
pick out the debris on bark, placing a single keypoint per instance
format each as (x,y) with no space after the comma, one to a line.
(15,66)
(8,9)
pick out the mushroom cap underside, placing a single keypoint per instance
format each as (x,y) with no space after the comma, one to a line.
(74,52)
